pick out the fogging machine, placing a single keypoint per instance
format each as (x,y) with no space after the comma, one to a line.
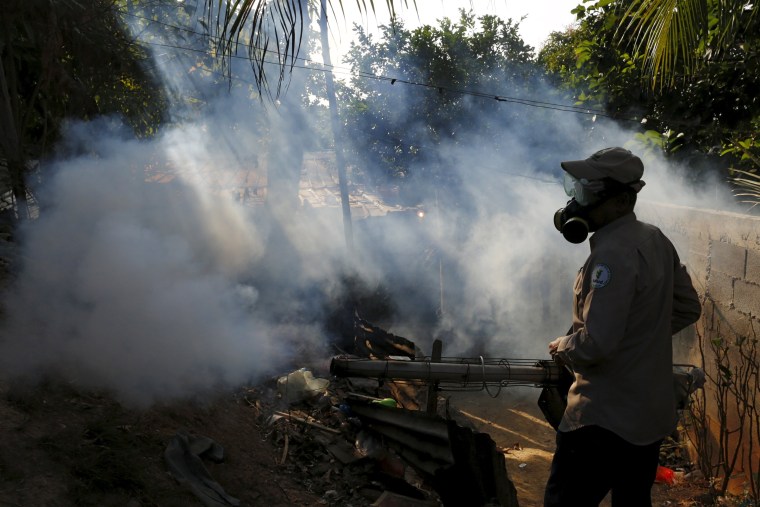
(458,374)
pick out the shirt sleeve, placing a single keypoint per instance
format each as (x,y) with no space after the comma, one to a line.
(686,305)
(610,281)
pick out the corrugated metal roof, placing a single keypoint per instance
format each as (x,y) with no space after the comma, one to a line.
(319,187)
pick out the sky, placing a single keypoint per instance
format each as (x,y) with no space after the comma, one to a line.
(541,17)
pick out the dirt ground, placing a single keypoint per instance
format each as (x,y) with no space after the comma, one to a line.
(62,446)
(66,447)
(517,426)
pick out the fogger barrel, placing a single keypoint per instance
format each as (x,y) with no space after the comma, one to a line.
(457,371)
(464,373)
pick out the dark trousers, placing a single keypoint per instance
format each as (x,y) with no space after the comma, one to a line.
(591,461)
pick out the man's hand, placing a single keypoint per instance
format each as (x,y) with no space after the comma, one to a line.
(554,345)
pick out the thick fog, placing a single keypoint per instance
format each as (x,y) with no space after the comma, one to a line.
(146,273)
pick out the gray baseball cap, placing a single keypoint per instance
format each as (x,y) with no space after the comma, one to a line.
(616,163)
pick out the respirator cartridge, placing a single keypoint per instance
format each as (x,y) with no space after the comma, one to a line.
(572,221)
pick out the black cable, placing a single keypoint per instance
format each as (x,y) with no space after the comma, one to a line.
(334,70)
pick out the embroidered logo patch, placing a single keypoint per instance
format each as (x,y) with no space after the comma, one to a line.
(600,276)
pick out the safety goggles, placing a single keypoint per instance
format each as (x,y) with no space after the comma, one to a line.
(585,192)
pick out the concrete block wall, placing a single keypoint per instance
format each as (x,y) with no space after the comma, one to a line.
(722,253)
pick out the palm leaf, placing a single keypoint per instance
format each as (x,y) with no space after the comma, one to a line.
(668,33)
(747,187)
(272,29)
(678,36)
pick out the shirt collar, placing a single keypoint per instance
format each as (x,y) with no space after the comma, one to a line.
(610,228)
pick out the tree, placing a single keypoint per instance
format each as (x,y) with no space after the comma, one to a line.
(678,38)
(601,63)
(65,59)
(449,66)
(686,40)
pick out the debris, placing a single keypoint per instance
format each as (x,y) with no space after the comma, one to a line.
(464,467)
(665,475)
(339,448)
(389,499)
(386,402)
(372,341)
(514,447)
(694,475)
(301,420)
(284,451)
(183,458)
(300,385)
(331,496)
(522,465)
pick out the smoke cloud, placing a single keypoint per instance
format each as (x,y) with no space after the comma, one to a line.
(145,275)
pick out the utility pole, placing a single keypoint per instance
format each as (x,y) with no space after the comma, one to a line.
(335,123)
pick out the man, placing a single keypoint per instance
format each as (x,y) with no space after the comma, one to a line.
(631,295)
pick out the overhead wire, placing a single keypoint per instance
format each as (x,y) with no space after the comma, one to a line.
(338,70)
(318,66)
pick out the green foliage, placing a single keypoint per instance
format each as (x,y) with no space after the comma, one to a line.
(402,127)
(586,62)
(75,60)
(667,142)
(66,59)
(604,63)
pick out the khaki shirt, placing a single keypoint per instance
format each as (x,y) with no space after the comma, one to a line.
(631,296)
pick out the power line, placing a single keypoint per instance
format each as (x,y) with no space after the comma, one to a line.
(393,80)
(438,88)
(321,67)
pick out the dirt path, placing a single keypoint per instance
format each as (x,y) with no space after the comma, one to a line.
(516,424)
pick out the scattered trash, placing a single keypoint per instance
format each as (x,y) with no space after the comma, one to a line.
(300,386)
(390,499)
(694,475)
(183,458)
(514,447)
(331,496)
(302,420)
(342,439)
(665,475)
(522,465)
(386,402)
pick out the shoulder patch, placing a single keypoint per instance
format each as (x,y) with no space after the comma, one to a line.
(600,276)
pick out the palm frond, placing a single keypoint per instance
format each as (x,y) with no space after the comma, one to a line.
(747,187)
(272,31)
(668,33)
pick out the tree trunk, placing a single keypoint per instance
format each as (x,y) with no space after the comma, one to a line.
(335,123)
(10,143)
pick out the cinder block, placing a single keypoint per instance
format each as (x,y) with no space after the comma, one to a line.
(747,297)
(720,288)
(705,322)
(730,323)
(753,266)
(699,243)
(727,258)
(681,241)
(696,265)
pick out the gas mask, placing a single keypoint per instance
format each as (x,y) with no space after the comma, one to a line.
(573,221)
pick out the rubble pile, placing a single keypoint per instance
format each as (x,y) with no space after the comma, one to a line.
(326,448)
(359,442)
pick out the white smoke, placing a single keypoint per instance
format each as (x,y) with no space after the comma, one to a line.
(158,287)
(134,285)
